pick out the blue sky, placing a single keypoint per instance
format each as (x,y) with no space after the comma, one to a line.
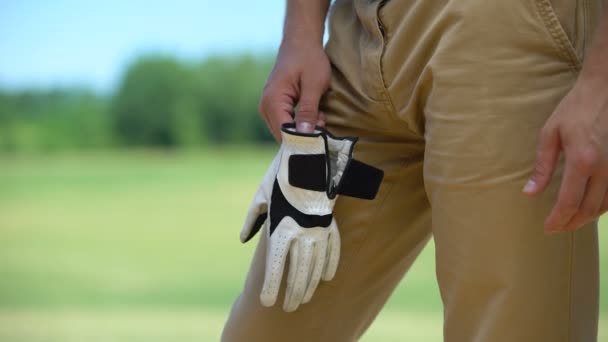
(64,43)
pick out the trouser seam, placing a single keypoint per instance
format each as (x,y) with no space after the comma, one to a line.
(570,285)
(385,95)
(586,29)
(387,100)
(359,247)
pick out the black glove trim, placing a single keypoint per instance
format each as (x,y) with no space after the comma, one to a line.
(257,225)
(280,207)
(290,128)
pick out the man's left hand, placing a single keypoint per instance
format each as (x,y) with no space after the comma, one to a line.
(578,128)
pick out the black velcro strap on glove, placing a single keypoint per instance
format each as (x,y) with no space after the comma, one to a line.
(308,171)
(360,180)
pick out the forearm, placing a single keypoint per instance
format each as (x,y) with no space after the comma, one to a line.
(305,21)
(595,68)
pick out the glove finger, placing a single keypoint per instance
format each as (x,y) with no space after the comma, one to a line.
(278,246)
(294,258)
(333,253)
(319,255)
(302,276)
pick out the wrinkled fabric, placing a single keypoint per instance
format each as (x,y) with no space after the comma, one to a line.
(448,98)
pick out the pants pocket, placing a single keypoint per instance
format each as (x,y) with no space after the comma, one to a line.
(556,33)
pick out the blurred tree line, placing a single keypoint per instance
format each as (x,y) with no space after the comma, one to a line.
(160,102)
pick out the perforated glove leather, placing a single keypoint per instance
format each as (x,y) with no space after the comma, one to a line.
(295,203)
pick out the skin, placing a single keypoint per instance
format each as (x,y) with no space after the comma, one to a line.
(578,128)
(301,72)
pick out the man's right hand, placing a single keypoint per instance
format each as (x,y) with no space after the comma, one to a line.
(300,77)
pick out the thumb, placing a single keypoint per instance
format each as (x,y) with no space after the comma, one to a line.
(546,159)
(257,214)
(256,217)
(307,114)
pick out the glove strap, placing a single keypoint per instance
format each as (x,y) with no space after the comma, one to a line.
(360,180)
(309,171)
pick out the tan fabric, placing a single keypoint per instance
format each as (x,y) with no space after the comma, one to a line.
(448,98)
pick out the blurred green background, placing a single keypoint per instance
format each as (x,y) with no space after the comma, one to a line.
(121,203)
(143,246)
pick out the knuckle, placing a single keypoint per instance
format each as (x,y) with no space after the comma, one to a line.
(542,168)
(321,80)
(587,160)
(546,132)
(567,209)
(264,100)
(261,109)
(587,212)
(307,110)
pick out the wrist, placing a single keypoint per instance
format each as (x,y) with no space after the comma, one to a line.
(591,90)
(301,41)
(594,77)
(593,82)
(303,34)
(304,23)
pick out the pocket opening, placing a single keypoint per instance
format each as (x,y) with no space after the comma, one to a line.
(558,35)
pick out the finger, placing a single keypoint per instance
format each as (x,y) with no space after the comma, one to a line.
(278,117)
(294,261)
(333,253)
(302,276)
(547,154)
(571,194)
(308,106)
(591,204)
(278,245)
(276,109)
(604,206)
(321,119)
(320,252)
(276,134)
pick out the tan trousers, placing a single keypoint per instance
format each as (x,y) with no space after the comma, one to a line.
(448,98)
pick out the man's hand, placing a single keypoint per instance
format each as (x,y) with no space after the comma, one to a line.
(302,71)
(300,77)
(579,128)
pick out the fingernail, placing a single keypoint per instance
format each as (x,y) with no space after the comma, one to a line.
(530,186)
(304,127)
(552,227)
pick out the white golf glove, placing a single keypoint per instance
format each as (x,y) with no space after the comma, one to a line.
(295,201)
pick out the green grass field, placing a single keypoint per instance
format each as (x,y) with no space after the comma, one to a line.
(143,246)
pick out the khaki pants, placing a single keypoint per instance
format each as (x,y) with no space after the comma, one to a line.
(448,98)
